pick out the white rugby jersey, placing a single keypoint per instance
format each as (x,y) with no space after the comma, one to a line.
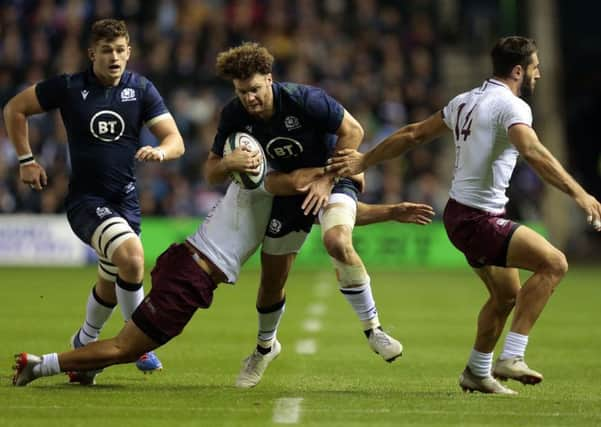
(234,228)
(484,157)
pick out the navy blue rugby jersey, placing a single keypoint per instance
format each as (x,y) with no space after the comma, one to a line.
(301,132)
(103,126)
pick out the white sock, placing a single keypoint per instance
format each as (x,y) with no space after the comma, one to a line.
(362,301)
(515,345)
(129,296)
(49,366)
(480,363)
(269,320)
(97,313)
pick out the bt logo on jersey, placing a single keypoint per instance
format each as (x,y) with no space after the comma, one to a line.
(283,148)
(107,126)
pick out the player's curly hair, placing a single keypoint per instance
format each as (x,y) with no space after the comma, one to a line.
(509,52)
(244,61)
(108,29)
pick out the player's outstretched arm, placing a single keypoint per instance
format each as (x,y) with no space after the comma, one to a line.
(171,143)
(407,212)
(15,113)
(349,162)
(526,141)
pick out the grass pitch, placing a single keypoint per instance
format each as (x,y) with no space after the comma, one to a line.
(341,384)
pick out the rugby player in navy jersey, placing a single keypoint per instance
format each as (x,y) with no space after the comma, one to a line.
(104,109)
(298,126)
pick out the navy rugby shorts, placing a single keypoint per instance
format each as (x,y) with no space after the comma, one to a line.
(86,213)
(287,215)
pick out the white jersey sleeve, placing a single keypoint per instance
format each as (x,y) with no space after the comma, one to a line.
(513,112)
(234,228)
(484,157)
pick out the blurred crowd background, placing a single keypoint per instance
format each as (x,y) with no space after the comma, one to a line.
(387,61)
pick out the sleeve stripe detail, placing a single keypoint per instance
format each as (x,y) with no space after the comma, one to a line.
(157,119)
(518,123)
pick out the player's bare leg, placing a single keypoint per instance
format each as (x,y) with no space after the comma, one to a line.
(271,299)
(126,347)
(129,259)
(503,285)
(337,221)
(529,250)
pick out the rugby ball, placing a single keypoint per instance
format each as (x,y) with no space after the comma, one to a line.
(246,180)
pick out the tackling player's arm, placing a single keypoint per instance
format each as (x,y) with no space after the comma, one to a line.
(217,169)
(413,213)
(171,143)
(15,114)
(348,162)
(526,141)
(293,183)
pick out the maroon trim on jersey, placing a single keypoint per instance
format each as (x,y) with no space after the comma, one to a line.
(518,123)
(496,83)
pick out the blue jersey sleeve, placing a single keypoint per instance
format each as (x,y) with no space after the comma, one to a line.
(228,124)
(51,92)
(321,107)
(153,104)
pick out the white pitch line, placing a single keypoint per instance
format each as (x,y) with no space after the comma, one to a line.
(287,410)
(308,346)
(317,309)
(322,289)
(312,325)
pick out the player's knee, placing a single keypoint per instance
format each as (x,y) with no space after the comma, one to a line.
(555,264)
(339,244)
(132,267)
(337,224)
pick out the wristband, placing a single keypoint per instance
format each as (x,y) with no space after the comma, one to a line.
(162,153)
(26,159)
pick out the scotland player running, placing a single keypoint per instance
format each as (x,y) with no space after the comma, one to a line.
(103,109)
(298,127)
(491,125)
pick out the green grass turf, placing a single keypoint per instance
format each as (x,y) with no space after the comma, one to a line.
(343,384)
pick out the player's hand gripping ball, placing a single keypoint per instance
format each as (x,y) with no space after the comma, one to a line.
(246,180)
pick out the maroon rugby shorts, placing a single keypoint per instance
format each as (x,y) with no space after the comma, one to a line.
(483,237)
(179,288)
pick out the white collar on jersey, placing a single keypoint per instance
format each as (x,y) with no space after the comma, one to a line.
(497,82)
